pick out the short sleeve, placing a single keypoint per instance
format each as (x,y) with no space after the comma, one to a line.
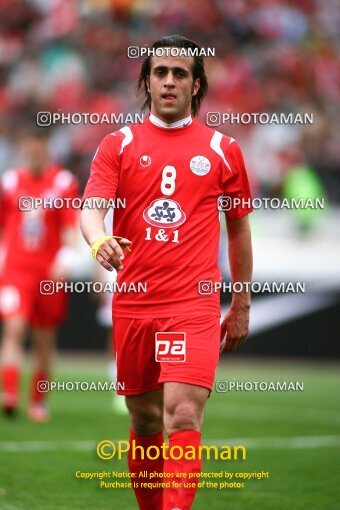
(104,173)
(235,184)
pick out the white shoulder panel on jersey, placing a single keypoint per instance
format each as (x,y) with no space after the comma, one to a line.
(128,137)
(215,144)
(95,154)
(9,180)
(63,179)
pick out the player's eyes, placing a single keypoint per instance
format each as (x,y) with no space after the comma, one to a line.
(162,72)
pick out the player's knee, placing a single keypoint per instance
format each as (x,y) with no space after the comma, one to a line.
(146,419)
(183,416)
(13,331)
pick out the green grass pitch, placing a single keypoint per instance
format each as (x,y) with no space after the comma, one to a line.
(294,436)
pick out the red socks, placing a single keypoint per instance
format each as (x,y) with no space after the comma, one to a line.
(37,383)
(148,499)
(10,379)
(182,498)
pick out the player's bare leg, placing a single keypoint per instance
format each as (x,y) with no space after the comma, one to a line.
(43,350)
(11,355)
(183,418)
(146,413)
(118,403)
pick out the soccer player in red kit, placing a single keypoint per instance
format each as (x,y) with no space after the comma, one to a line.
(35,246)
(171,169)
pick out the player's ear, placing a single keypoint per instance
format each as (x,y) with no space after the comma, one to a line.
(196,86)
(147,82)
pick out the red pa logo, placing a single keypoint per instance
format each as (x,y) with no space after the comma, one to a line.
(170,346)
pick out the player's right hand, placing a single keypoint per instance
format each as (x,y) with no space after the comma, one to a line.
(111,253)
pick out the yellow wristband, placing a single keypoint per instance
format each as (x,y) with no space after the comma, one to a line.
(98,242)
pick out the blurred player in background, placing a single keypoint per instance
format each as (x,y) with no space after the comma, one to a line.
(36,246)
(171,169)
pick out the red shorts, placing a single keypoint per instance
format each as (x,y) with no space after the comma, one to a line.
(20,295)
(134,342)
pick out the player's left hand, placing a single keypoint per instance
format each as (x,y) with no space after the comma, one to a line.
(235,327)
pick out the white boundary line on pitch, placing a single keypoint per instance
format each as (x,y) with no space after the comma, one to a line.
(249,442)
(297,414)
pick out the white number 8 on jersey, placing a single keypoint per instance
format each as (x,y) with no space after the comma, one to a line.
(168,180)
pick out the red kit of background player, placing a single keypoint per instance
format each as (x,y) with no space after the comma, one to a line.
(31,238)
(33,249)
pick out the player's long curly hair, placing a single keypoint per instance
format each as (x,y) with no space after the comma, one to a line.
(198,71)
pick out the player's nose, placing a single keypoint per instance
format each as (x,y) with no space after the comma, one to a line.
(169,80)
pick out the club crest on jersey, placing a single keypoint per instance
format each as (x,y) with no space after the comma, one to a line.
(164,212)
(200,165)
(145,160)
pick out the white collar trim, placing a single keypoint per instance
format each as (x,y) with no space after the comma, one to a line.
(179,123)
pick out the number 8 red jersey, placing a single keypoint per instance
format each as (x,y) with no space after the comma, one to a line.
(170,181)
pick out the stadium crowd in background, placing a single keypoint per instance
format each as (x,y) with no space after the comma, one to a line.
(271,56)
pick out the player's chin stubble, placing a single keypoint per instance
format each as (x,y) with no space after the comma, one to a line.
(171,112)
